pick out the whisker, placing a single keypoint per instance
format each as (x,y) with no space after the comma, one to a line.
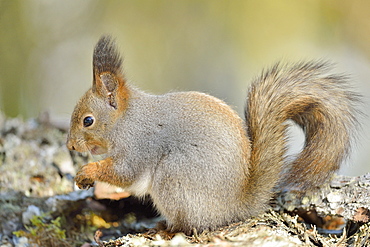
(91,156)
(88,150)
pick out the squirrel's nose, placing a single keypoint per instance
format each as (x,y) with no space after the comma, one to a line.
(70,145)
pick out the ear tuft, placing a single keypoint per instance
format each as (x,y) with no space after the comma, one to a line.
(106,57)
(109,82)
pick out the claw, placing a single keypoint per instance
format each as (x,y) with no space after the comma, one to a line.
(84,184)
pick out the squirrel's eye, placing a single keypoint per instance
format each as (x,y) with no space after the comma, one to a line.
(88,121)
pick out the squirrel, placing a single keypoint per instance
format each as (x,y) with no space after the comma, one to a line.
(201,164)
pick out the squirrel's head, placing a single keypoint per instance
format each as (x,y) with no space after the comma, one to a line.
(98,110)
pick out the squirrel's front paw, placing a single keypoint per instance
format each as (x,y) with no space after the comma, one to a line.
(84,183)
(83,177)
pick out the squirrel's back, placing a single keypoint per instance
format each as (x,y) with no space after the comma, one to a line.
(191,152)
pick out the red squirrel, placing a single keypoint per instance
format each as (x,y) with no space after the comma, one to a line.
(201,164)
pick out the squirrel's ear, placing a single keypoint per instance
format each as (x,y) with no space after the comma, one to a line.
(108,79)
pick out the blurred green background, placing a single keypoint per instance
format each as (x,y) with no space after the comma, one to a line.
(214,46)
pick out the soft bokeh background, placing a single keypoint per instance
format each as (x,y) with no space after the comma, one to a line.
(211,46)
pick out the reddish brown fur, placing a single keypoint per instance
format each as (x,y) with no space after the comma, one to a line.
(102,170)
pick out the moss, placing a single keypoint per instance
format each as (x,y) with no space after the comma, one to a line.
(44,232)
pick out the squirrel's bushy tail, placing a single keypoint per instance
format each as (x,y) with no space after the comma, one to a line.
(321,104)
